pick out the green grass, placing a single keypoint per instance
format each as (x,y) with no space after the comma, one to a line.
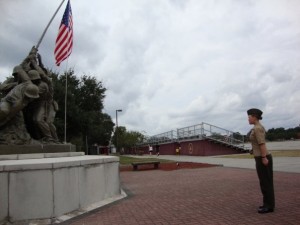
(126,160)
(277,153)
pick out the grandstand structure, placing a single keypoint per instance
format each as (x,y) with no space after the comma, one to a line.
(203,139)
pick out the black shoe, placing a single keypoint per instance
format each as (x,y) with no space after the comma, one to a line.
(265,210)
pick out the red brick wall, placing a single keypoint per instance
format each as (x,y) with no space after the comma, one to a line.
(205,148)
(194,147)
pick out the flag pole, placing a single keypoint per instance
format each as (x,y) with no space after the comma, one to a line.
(43,34)
(66,98)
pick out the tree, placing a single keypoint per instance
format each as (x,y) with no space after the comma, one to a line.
(119,137)
(73,111)
(126,139)
(133,138)
(85,120)
(100,130)
(276,134)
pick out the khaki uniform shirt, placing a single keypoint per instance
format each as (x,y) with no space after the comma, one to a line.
(257,137)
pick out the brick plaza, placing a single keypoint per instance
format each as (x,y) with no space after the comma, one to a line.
(215,195)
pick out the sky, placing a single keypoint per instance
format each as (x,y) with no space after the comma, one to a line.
(170,64)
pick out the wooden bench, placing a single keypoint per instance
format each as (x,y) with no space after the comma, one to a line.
(136,164)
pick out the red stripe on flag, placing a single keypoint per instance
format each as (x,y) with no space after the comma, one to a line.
(64,40)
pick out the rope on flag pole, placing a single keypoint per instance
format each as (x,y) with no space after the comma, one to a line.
(43,34)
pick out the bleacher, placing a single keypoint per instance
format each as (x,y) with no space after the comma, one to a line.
(202,131)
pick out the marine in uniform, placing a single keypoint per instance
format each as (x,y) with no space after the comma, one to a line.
(263,160)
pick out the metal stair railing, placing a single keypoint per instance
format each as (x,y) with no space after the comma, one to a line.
(224,136)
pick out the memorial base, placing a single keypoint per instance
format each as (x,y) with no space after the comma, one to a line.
(55,189)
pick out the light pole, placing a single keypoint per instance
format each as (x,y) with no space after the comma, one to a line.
(118,110)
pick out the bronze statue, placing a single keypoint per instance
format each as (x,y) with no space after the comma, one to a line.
(27,111)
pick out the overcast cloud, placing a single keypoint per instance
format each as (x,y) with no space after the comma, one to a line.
(172,63)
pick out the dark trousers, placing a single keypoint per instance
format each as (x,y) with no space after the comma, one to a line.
(265,176)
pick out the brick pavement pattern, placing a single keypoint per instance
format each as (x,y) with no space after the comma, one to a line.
(209,196)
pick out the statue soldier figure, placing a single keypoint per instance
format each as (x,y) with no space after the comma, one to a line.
(41,109)
(27,111)
(12,127)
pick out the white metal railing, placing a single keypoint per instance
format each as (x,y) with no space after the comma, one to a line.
(169,136)
(190,132)
(199,131)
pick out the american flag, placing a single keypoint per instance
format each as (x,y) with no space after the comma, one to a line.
(64,40)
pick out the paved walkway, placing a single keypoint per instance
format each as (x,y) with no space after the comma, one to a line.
(282,145)
(209,196)
(283,164)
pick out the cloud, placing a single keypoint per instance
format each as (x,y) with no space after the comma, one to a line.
(170,63)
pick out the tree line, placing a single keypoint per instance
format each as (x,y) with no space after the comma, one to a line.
(280,134)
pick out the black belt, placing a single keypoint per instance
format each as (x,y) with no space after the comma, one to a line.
(260,157)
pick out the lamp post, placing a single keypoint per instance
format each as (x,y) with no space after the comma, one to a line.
(118,110)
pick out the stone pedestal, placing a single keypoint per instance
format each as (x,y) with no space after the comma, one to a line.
(36,148)
(51,188)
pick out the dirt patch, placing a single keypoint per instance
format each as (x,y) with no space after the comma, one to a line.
(169,166)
